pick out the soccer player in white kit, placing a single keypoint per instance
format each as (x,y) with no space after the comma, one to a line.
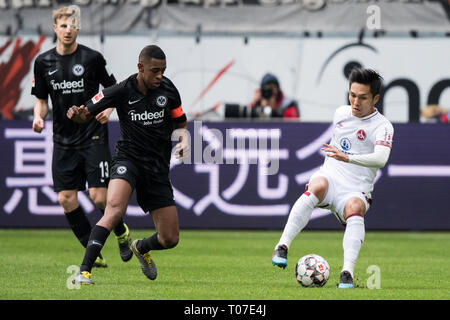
(361,144)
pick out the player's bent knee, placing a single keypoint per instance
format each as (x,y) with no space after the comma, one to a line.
(170,241)
(68,200)
(98,197)
(354,206)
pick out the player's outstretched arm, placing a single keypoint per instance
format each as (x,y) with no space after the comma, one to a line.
(377,159)
(79,114)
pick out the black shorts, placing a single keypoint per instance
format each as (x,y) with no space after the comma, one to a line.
(71,168)
(153,191)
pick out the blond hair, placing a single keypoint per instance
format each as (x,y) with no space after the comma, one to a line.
(70,11)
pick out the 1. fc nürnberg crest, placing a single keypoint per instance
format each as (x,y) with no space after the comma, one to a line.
(361,134)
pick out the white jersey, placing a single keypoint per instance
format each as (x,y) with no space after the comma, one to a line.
(353,135)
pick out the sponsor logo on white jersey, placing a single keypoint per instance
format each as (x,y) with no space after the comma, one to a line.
(345,144)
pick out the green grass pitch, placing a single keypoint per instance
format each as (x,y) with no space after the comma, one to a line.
(225,265)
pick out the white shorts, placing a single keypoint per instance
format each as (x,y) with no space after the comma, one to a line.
(337,195)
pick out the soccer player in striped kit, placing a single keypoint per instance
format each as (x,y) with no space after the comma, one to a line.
(361,144)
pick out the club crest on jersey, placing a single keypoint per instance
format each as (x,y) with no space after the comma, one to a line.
(78,70)
(161,101)
(345,144)
(361,135)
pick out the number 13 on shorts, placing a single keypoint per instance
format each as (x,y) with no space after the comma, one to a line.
(104,169)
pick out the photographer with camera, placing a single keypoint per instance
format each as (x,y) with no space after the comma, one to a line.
(271,102)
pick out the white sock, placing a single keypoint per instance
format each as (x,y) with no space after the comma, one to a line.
(298,217)
(353,240)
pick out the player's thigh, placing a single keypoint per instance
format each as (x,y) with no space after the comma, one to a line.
(67,170)
(319,185)
(97,162)
(118,195)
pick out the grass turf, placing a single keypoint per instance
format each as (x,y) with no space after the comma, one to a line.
(225,265)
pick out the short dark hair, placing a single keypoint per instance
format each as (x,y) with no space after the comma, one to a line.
(151,51)
(367,77)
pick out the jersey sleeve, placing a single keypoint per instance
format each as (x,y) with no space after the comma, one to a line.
(341,113)
(176,110)
(106,98)
(377,159)
(39,85)
(105,77)
(384,135)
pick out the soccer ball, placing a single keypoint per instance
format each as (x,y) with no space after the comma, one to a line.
(312,271)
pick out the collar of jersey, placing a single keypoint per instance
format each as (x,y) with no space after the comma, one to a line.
(137,94)
(136,90)
(370,115)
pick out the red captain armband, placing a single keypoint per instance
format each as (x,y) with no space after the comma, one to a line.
(176,113)
(444,118)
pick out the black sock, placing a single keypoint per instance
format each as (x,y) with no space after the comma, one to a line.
(79,224)
(150,243)
(120,228)
(95,244)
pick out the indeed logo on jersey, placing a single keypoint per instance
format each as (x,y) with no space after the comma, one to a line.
(147,116)
(68,86)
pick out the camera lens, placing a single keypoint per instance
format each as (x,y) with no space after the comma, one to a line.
(266,92)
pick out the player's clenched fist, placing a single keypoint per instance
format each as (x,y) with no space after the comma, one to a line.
(103,117)
(38,125)
(182,148)
(72,112)
(78,114)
